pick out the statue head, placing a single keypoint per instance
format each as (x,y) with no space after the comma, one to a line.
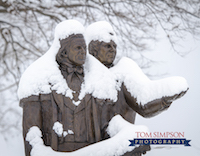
(105,52)
(101,40)
(70,42)
(72,50)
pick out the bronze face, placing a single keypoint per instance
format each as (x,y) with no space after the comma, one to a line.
(77,51)
(73,50)
(107,52)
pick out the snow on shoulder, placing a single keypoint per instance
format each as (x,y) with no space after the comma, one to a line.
(44,75)
(98,80)
(141,87)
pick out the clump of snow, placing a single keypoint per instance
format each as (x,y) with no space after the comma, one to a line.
(65,133)
(44,75)
(117,145)
(38,148)
(141,87)
(34,136)
(66,28)
(76,103)
(70,132)
(101,31)
(98,80)
(118,123)
(58,128)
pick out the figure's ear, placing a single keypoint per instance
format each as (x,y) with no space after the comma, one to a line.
(93,48)
(94,52)
(63,44)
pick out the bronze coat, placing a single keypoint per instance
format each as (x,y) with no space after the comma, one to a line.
(88,120)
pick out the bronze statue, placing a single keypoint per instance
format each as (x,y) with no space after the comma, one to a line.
(126,105)
(84,119)
(44,110)
(105,52)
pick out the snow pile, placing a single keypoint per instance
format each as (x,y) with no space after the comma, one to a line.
(101,31)
(141,87)
(44,75)
(98,80)
(120,130)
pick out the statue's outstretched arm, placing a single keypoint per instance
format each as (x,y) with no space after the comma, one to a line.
(152,108)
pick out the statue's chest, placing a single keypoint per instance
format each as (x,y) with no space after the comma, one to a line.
(74,120)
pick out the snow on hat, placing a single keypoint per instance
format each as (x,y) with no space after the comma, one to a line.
(101,31)
(68,27)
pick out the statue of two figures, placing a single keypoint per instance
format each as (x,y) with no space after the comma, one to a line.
(80,103)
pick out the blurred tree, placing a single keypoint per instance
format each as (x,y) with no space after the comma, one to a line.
(27,26)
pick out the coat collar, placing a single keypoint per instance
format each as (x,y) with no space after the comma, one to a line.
(62,101)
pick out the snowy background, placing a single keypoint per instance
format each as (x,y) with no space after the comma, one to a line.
(182,116)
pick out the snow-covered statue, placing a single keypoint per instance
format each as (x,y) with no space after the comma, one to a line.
(63,102)
(72,102)
(49,91)
(136,93)
(102,41)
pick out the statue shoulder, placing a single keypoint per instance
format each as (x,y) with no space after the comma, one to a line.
(34,99)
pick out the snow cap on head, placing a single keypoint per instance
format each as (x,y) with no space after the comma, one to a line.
(101,31)
(68,27)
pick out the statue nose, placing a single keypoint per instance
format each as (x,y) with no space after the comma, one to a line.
(83,50)
(112,46)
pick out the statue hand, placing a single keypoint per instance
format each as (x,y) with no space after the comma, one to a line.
(138,151)
(170,99)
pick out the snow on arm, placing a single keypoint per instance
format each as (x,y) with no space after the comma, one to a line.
(120,130)
(141,87)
